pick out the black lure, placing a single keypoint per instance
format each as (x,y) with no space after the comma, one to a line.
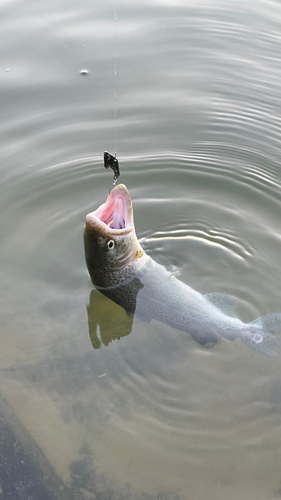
(111,162)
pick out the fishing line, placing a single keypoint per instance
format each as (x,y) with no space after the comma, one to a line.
(115,79)
(109,160)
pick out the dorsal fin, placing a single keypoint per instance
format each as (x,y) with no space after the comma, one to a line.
(226,303)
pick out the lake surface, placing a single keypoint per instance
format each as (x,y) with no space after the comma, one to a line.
(91,405)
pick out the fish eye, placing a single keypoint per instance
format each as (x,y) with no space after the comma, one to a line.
(110,244)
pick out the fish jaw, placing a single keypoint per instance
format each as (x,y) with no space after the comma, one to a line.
(115,216)
(112,251)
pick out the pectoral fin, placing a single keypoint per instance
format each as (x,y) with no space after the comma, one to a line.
(226,303)
(210,345)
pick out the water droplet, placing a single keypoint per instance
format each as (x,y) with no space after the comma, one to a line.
(84,72)
(8,69)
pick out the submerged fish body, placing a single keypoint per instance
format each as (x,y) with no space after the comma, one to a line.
(121,270)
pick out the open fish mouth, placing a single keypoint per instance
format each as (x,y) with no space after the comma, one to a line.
(115,216)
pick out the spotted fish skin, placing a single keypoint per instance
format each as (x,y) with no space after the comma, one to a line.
(121,270)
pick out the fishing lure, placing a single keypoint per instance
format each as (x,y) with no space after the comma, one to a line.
(111,162)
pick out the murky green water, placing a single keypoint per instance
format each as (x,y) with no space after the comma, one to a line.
(102,408)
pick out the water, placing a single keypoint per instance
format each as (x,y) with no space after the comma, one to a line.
(127,409)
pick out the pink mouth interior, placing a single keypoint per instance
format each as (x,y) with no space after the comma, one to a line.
(113,212)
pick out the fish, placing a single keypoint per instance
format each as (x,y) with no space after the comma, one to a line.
(121,270)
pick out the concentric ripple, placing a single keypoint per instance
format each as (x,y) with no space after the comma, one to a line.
(122,408)
(203,232)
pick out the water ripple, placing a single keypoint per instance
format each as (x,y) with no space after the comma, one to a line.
(198,142)
(209,236)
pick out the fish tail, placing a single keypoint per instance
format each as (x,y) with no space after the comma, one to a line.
(259,334)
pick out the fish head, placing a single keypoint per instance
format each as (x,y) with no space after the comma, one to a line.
(112,250)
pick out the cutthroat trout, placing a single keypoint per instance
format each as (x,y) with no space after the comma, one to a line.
(121,270)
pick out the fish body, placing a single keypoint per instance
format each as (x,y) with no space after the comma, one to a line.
(121,270)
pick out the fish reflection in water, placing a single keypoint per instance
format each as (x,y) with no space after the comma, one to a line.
(121,270)
(112,320)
